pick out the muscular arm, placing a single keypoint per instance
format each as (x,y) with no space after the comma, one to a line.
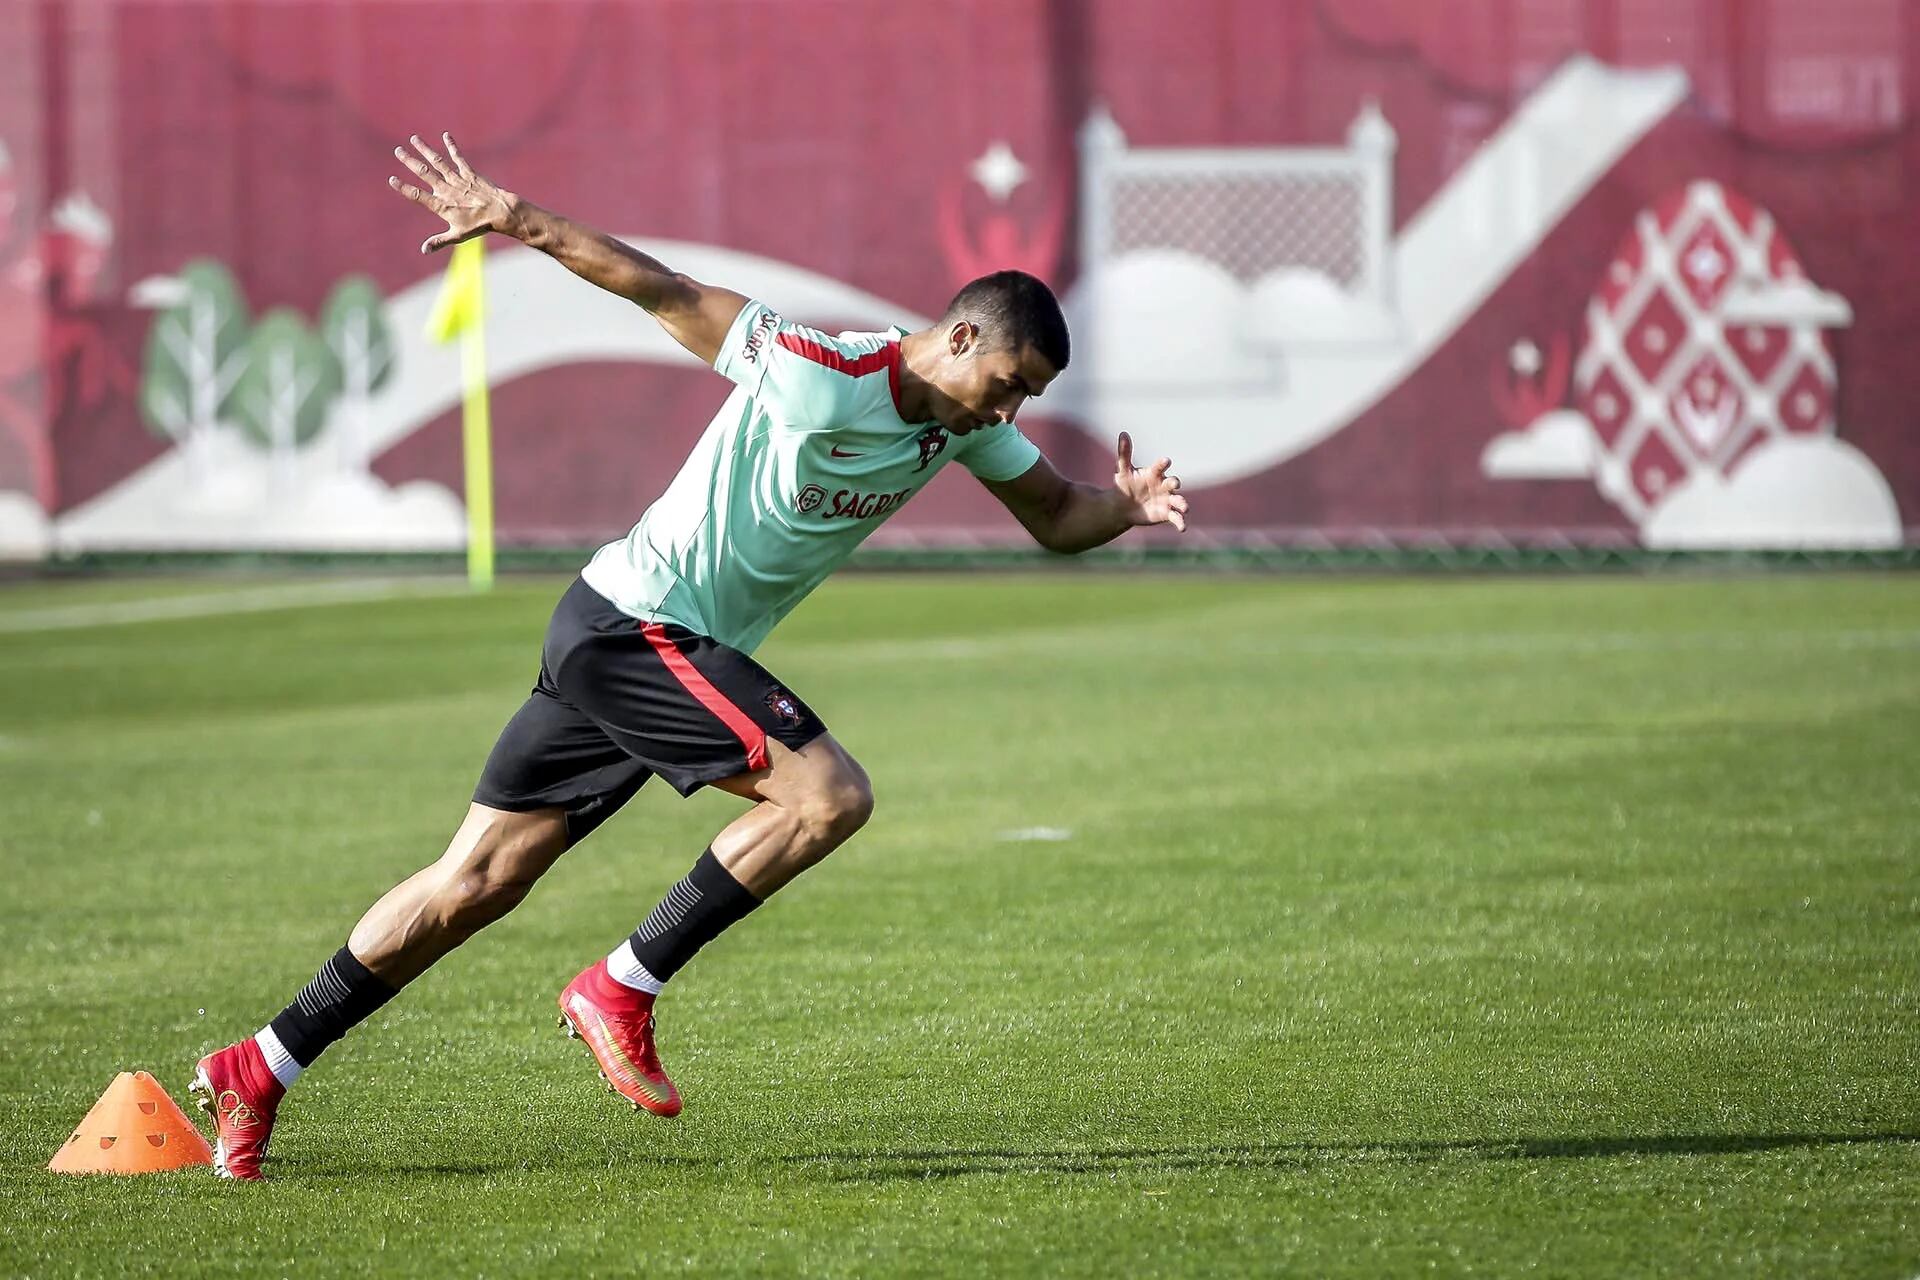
(1069,517)
(695,315)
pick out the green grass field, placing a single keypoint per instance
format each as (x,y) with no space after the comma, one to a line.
(1460,926)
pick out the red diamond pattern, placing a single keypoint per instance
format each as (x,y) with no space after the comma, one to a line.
(1607,405)
(1715,403)
(1759,348)
(1745,216)
(1708,406)
(1656,335)
(1655,468)
(1619,276)
(1781,264)
(1806,406)
(1706,265)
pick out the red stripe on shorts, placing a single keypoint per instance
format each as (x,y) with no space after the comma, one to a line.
(750,734)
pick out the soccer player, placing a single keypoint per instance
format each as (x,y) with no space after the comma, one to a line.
(646,667)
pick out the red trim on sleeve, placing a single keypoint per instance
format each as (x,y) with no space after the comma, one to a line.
(750,734)
(893,377)
(887,357)
(833,358)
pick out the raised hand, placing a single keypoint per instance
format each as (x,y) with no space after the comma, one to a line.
(471,205)
(1155,495)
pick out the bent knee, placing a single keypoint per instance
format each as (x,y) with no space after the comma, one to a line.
(841,806)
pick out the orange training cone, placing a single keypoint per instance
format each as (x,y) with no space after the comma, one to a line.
(134,1128)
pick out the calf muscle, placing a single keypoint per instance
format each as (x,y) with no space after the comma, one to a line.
(490,865)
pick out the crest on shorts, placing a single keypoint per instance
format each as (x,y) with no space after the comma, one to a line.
(809,499)
(783,705)
(931,442)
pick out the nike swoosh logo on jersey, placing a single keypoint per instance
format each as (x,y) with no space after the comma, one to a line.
(838,452)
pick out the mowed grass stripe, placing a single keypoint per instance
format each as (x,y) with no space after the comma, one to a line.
(118,611)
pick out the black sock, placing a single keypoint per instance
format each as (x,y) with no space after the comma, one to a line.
(342,995)
(694,913)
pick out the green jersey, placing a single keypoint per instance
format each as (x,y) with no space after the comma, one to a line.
(808,456)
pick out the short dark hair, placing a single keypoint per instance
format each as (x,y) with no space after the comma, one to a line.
(1015,308)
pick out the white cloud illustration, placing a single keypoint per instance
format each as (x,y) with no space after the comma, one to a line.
(1161,351)
(24,531)
(1798,492)
(1785,302)
(240,502)
(1555,446)
(360,513)
(1294,305)
(1162,317)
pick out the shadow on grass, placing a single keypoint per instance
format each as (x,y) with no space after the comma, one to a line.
(331,1169)
(887,1166)
(892,1166)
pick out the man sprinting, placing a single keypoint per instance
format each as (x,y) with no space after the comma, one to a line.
(645,669)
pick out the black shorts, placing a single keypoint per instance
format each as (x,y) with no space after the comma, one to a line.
(619,700)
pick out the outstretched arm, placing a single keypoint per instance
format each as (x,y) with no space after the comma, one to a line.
(1068,517)
(695,315)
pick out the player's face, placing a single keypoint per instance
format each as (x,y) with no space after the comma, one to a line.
(982,384)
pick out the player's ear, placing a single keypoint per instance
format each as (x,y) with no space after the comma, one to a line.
(962,336)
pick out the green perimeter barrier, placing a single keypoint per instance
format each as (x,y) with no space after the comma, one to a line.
(1382,558)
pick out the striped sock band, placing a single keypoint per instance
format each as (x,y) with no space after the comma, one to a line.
(695,911)
(670,913)
(341,996)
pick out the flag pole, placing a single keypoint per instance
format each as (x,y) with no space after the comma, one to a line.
(476,433)
(461,311)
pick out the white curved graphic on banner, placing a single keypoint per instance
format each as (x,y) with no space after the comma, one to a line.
(217,492)
(1283,394)
(540,315)
(1230,370)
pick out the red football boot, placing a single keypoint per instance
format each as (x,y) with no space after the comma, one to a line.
(238,1091)
(617,1023)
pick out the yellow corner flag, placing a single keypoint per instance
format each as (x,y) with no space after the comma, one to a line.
(461,312)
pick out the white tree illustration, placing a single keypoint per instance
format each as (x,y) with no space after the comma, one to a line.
(196,352)
(354,324)
(282,398)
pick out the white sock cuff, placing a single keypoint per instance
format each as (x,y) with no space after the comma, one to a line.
(279,1061)
(625,968)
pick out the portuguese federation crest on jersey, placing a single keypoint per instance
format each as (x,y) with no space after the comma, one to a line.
(932,442)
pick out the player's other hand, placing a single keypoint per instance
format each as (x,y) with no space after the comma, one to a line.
(1154,494)
(471,205)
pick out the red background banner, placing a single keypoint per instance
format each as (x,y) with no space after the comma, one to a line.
(855,140)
